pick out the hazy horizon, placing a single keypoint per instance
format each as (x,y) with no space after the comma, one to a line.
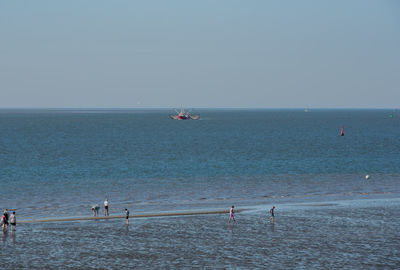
(195,108)
(209,54)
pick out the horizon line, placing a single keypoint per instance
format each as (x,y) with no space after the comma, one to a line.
(201,107)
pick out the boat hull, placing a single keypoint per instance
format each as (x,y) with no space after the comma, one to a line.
(189,117)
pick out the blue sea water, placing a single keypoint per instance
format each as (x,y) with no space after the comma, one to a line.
(60,162)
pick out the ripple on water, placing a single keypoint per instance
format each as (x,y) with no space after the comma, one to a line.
(317,236)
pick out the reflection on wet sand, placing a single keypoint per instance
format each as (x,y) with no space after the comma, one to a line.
(230,226)
(272,226)
(302,237)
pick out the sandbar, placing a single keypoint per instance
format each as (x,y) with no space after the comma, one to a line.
(166,214)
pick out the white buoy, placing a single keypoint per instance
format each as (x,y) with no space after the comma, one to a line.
(367,177)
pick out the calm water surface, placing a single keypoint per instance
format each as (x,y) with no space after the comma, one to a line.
(59,163)
(342,235)
(56,163)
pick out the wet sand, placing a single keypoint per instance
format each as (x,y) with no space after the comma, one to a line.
(358,234)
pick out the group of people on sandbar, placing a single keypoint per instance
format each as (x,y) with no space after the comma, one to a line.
(7,219)
(232,216)
(95,209)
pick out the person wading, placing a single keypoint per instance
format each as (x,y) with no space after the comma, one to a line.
(127,216)
(271,211)
(106,206)
(13,221)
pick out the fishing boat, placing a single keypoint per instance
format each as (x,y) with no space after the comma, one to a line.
(184,115)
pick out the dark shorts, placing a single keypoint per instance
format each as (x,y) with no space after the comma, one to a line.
(127,217)
(13,224)
(106,207)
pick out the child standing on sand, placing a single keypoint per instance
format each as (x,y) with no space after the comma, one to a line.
(231,216)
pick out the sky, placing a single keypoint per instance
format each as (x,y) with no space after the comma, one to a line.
(223,54)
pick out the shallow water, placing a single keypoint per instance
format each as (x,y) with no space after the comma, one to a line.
(340,235)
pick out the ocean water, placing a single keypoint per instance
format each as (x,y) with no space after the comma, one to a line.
(58,163)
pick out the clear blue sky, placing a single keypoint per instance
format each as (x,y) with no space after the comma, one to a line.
(224,53)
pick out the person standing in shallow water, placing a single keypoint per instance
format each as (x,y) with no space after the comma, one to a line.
(3,223)
(271,211)
(231,215)
(127,216)
(6,215)
(13,221)
(4,220)
(106,205)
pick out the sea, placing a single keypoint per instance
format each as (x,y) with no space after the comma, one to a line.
(58,163)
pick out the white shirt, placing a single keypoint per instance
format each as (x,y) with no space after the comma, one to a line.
(13,219)
(105,203)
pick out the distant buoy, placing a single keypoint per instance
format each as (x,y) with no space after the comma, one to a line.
(367,177)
